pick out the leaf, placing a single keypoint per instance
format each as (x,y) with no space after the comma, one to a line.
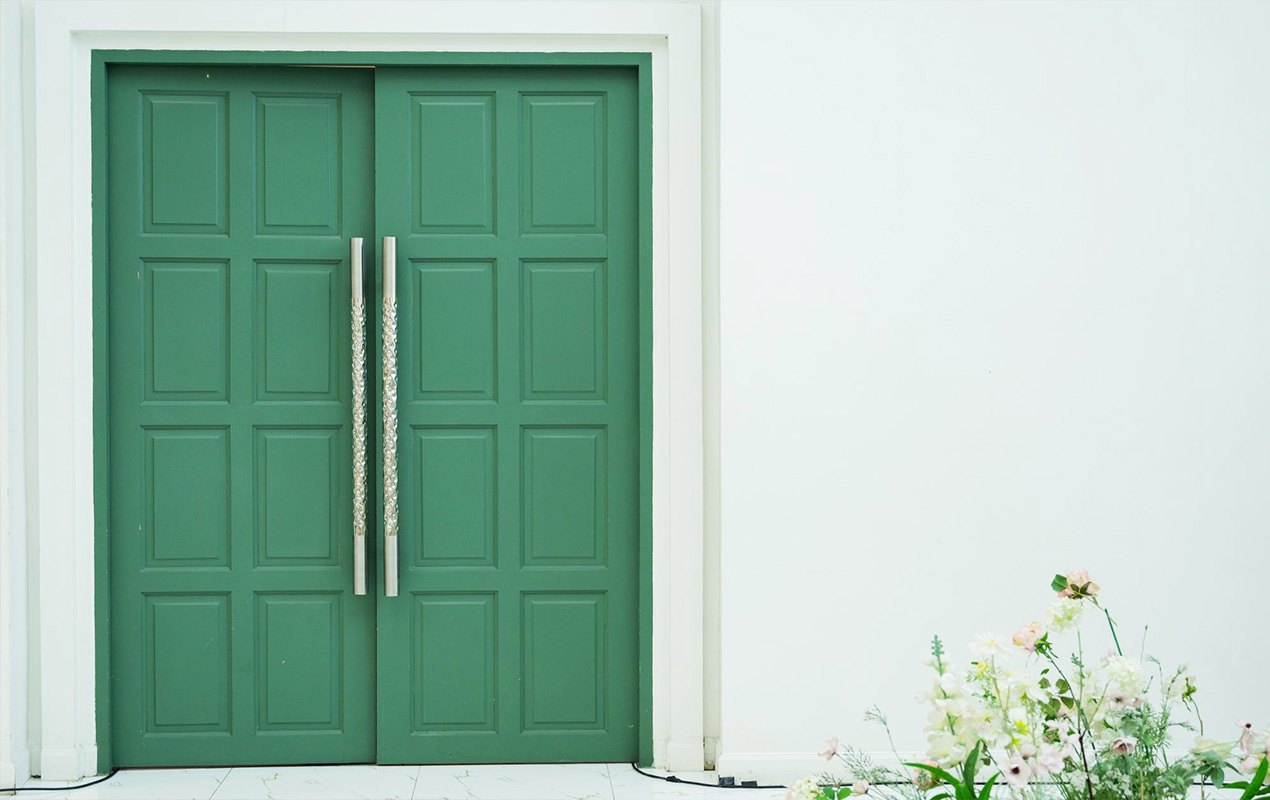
(972,764)
(1259,777)
(986,794)
(1059,583)
(1062,686)
(1258,782)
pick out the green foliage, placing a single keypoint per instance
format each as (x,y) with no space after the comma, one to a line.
(963,788)
(1257,786)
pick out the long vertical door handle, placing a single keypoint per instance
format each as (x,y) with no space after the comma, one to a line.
(390,416)
(359,417)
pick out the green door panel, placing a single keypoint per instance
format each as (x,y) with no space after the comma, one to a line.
(235,635)
(513,194)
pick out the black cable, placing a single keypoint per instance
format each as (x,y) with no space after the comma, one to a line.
(673,779)
(61,788)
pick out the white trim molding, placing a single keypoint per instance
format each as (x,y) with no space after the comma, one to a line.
(14,675)
(65,34)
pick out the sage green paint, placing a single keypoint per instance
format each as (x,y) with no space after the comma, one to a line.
(513,194)
(236,638)
(110,728)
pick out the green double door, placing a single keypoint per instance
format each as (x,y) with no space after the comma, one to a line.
(511,196)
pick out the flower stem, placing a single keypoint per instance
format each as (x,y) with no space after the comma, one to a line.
(1089,784)
(1114,637)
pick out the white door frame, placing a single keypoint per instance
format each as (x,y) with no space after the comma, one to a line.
(64,36)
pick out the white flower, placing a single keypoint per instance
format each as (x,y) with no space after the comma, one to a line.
(946,750)
(805,789)
(988,645)
(860,787)
(1125,675)
(1219,750)
(1177,685)
(1026,686)
(1063,614)
(1019,723)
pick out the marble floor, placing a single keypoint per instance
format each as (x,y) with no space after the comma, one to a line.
(492,782)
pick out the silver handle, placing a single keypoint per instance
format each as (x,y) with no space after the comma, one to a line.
(359,417)
(390,416)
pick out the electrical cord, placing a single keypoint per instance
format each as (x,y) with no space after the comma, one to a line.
(60,788)
(674,779)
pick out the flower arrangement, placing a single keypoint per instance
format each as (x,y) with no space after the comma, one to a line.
(1035,723)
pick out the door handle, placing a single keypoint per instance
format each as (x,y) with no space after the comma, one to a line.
(390,416)
(359,416)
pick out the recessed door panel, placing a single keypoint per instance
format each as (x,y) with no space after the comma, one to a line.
(454,663)
(184,140)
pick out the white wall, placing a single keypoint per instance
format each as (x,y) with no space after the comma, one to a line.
(995,304)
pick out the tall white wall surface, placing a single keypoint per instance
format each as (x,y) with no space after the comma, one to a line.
(995,304)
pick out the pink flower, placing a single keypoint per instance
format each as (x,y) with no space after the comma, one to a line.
(1124,746)
(1062,729)
(1080,585)
(1137,701)
(1246,737)
(832,750)
(860,787)
(923,779)
(1050,759)
(1250,763)
(1017,771)
(1027,636)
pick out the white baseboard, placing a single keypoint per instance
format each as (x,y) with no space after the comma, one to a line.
(659,751)
(685,755)
(65,764)
(88,760)
(15,772)
(785,768)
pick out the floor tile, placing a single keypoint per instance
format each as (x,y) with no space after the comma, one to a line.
(514,782)
(140,784)
(630,785)
(363,781)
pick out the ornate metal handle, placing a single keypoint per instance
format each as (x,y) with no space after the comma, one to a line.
(359,418)
(390,416)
